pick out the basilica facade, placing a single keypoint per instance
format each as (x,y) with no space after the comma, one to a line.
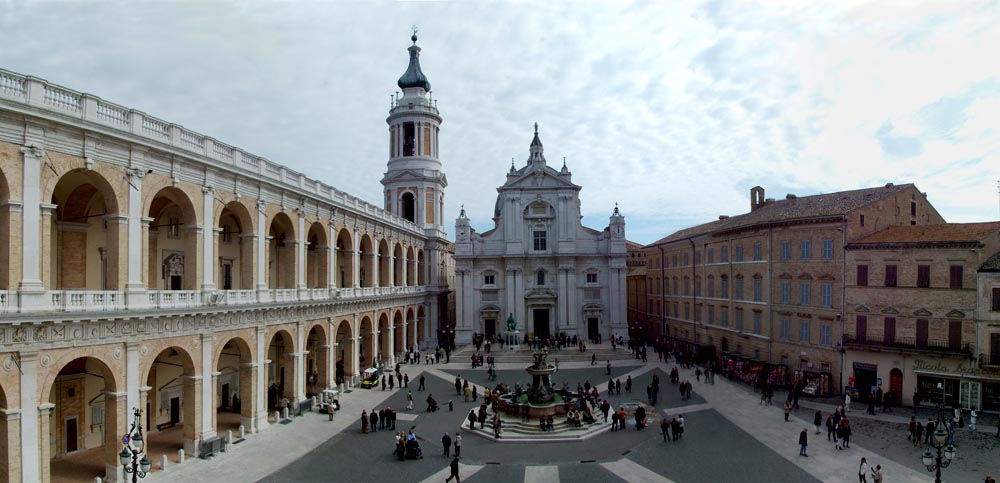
(147,266)
(539,264)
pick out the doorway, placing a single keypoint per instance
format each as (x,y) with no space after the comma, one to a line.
(865,379)
(541,318)
(896,385)
(71,435)
(224,397)
(593,329)
(490,327)
(175,410)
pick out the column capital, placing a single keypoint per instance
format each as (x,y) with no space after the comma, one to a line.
(208,190)
(34,151)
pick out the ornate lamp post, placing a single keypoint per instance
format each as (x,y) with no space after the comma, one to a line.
(945,453)
(132,449)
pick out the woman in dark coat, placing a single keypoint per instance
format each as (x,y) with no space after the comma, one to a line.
(364,422)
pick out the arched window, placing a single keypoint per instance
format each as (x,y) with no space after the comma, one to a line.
(409,207)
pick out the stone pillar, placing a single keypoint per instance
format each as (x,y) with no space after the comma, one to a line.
(519,310)
(508,290)
(260,395)
(406,329)
(208,388)
(356,346)
(376,268)
(357,259)
(135,236)
(392,271)
(44,412)
(31,288)
(261,255)
(193,387)
(573,310)
(116,419)
(10,431)
(334,270)
(49,281)
(402,282)
(300,366)
(324,364)
(562,318)
(208,243)
(300,253)
(31,457)
(132,377)
(248,387)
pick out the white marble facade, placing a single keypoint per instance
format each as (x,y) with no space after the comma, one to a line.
(539,262)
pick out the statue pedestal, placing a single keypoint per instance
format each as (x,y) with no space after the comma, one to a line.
(512,340)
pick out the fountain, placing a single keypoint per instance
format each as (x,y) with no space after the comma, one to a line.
(540,398)
(541,385)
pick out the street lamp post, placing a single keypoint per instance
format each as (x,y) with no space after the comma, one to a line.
(133,458)
(945,453)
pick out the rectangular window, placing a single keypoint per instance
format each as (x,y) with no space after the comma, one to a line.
(890,275)
(890,331)
(827,249)
(756,252)
(677,309)
(804,293)
(995,349)
(489,279)
(697,257)
(687,311)
(913,208)
(711,255)
(686,259)
(756,323)
(804,331)
(687,286)
(711,314)
(697,287)
(227,234)
(738,255)
(861,328)
(923,276)
(824,334)
(805,250)
(827,291)
(785,329)
(954,335)
(862,275)
(724,254)
(739,289)
(757,289)
(739,320)
(862,220)
(725,288)
(922,330)
(711,287)
(673,260)
(955,277)
(786,250)
(591,278)
(724,316)
(786,292)
(540,241)
(995,301)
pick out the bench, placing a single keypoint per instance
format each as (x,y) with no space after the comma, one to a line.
(211,446)
(162,426)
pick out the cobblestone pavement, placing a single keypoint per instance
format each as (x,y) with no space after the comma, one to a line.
(729,437)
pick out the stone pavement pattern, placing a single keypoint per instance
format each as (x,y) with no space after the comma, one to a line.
(728,436)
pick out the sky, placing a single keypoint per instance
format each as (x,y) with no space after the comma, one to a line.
(672,109)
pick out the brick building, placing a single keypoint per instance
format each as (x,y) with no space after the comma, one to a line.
(635,280)
(763,292)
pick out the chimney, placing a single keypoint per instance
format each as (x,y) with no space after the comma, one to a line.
(756,197)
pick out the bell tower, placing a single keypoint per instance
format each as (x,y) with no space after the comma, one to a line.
(414,183)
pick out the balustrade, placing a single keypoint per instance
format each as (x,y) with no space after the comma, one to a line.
(87,300)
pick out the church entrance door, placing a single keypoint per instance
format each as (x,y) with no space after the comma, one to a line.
(541,317)
(490,327)
(592,328)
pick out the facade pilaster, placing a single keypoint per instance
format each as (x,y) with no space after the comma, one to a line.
(357,260)
(46,240)
(402,282)
(32,291)
(563,310)
(132,377)
(135,233)
(208,389)
(573,310)
(10,431)
(31,457)
(300,356)
(334,271)
(260,396)
(208,243)
(300,253)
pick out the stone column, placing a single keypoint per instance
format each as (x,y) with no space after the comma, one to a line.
(392,271)
(117,416)
(357,259)
(402,282)
(32,292)
(300,253)
(573,311)
(136,238)
(46,228)
(356,346)
(31,457)
(406,343)
(44,412)
(132,376)
(10,431)
(333,270)
(208,388)
(248,405)
(508,291)
(519,309)
(208,243)
(562,318)
(193,388)
(300,357)
(261,255)
(260,396)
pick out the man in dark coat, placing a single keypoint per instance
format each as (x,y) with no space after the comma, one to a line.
(803,442)
(454,471)
(446,442)
(373,418)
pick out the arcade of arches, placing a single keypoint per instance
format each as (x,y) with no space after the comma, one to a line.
(64,415)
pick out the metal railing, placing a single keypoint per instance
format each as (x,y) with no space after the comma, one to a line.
(906,343)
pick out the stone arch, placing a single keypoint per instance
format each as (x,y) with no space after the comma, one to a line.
(173,241)
(366,336)
(173,407)
(74,387)
(317,256)
(343,339)
(384,338)
(345,258)
(398,260)
(421,325)
(84,234)
(411,267)
(317,349)
(9,463)
(281,257)
(411,327)
(234,247)
(367,257)
(384,263)
(234,385)
(281,370)
(6,267)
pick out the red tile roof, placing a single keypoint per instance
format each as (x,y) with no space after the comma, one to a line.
(944,233)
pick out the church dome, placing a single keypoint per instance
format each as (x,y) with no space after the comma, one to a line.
(414,77)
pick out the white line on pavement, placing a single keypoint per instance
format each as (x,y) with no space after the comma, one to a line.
(464,471)
(541,474)
(633,472)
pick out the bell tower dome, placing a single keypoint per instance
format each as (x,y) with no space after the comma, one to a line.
(414,183)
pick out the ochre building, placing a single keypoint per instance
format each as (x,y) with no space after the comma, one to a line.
(144,265)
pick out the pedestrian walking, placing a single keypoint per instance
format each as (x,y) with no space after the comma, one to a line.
(877,473)
(364,422)
(373,420)
(863,471)
(383,382)
(458,444)
(628,389)
(665,429)
(454,470)
(803,442)
(918,436)
(788,409)
(409,400)
(391,383)
(446,444)
(609,367)
(593,359)
(818,420)
(618,386)
(420,387)
(472,419)
(830,435)
(972,419)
